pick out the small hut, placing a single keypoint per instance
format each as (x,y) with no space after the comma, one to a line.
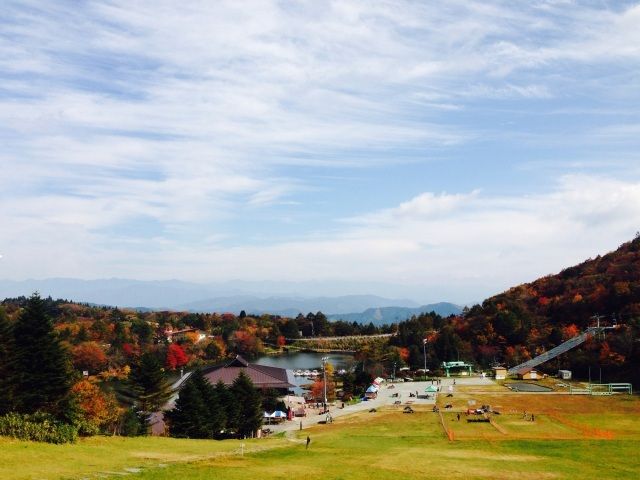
(527,373)
(499,373)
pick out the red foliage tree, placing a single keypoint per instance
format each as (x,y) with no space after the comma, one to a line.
(175,357)
(404,354)
(89,356)
(570,331)
(130,350)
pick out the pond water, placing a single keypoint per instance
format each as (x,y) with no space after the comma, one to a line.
(305,361)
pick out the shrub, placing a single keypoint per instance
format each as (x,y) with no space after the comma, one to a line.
(38,427)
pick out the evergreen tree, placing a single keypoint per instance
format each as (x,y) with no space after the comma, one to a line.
(200,409)
(146,389)
(42,367)
(7,364)
(190,418)
(249,416)
(223,417)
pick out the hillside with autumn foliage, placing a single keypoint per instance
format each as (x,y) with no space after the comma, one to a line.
(531,318)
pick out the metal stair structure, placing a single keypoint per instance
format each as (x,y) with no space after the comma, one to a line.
(559,350)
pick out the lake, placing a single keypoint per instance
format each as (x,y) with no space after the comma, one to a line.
(305,361)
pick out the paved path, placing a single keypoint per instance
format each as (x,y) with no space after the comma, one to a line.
(385,398)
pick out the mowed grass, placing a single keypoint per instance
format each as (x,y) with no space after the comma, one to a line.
(571,437)
(392,445)
(109,456)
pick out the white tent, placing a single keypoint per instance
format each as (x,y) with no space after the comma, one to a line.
(372,389)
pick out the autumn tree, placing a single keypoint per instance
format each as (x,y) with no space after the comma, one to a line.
(98,410)
(176,357)
(89,356)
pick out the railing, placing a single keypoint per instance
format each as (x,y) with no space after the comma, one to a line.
(559,350)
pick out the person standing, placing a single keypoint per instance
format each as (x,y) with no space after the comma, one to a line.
(308,442)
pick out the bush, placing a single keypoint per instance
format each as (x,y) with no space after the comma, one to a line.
(37,427)
(131,424)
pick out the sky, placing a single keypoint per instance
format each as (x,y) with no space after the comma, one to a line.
(440,150)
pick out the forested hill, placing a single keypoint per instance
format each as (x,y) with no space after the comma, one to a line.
(534,317)
(388,315)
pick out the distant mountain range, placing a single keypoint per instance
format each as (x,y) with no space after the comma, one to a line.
(382,315)
(179,295)
(292,306)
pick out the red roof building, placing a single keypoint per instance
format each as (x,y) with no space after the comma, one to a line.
(263,377)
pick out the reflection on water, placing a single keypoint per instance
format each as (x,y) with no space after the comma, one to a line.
(305,361)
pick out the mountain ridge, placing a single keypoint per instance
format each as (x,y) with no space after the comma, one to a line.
(394,314)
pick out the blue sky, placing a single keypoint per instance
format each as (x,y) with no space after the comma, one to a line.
(443,150)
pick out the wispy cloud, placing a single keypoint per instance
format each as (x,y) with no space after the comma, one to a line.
(162,124)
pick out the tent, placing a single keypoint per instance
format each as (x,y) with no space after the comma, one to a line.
(378,381)
(277,415)
(372,389)
(431,388)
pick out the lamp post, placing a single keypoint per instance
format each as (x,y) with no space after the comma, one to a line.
(324,376)
(394,371)
(424,352)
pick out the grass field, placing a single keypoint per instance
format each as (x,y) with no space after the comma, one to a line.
(105,456)
(571,437)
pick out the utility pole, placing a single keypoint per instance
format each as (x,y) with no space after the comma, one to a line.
(424,351)
(324,375)
(394,371)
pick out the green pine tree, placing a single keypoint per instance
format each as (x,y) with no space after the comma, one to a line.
(190,417)
(146,389)
(225,413)
(7,364)
(249,401)
(42,366)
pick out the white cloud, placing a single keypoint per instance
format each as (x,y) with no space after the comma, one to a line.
(478,244)
(183,115)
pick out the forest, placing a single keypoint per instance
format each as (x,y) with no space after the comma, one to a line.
(92,363)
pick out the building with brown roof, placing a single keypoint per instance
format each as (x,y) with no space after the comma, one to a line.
(263,377)
(527,373)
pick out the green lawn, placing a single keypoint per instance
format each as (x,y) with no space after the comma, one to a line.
(566,441)
(390,445)
(101,455)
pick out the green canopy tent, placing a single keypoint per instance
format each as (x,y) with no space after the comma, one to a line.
(431,389)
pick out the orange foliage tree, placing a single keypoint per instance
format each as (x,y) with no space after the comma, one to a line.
(570,331)
(89,356)
(98,410)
